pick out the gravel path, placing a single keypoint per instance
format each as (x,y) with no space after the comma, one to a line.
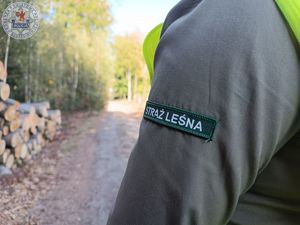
(90,172)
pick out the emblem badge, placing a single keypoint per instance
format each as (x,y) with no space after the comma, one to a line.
(20,20)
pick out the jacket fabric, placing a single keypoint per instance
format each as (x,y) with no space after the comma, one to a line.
(236,61)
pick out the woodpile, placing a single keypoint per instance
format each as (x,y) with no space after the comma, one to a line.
(24,127)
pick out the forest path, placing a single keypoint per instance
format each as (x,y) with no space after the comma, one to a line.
(90,172)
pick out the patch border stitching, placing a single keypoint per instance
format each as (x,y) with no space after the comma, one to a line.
(174,108)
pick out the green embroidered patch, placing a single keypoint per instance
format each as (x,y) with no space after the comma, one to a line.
(189,122)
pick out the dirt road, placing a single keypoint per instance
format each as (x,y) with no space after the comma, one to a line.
(91,168)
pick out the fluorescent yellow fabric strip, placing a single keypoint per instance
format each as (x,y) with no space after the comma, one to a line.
(149,48)
(291,10)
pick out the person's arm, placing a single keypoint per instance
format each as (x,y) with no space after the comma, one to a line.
(234,61)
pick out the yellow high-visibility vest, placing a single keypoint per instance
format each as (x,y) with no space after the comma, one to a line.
(149,48)
(291,11)
(289,8)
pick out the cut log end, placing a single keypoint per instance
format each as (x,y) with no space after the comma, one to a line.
(4,91)
(13,139)
(2,147)
(10,161)
(3,73)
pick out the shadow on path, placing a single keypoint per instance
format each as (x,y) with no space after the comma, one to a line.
(89,175)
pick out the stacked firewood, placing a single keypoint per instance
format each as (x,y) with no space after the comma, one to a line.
(24,127)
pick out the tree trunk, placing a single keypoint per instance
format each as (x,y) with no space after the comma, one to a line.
(5,130)
(2,147)
(26,78)
(10,113)
(10,161)
(2,106)
(10,101)
(27,109)
(135,87)
(54,115)
(20,151)
(25,135)
(4,156)
(61,70)
(36,80)
(14,125)
(129,86)
(50,130)
(75,78)
(33,130)
(41,108)
(6,57)
(30,73)
(13,139)
(2,72)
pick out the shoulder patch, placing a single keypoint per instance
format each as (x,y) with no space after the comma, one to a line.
(193,123)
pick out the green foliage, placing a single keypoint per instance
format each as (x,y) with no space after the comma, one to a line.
(68,61)
(130,69)
(90,15)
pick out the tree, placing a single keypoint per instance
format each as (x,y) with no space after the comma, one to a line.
(130,68)
(68,61)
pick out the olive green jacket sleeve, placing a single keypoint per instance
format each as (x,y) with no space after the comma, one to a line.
(232,60)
